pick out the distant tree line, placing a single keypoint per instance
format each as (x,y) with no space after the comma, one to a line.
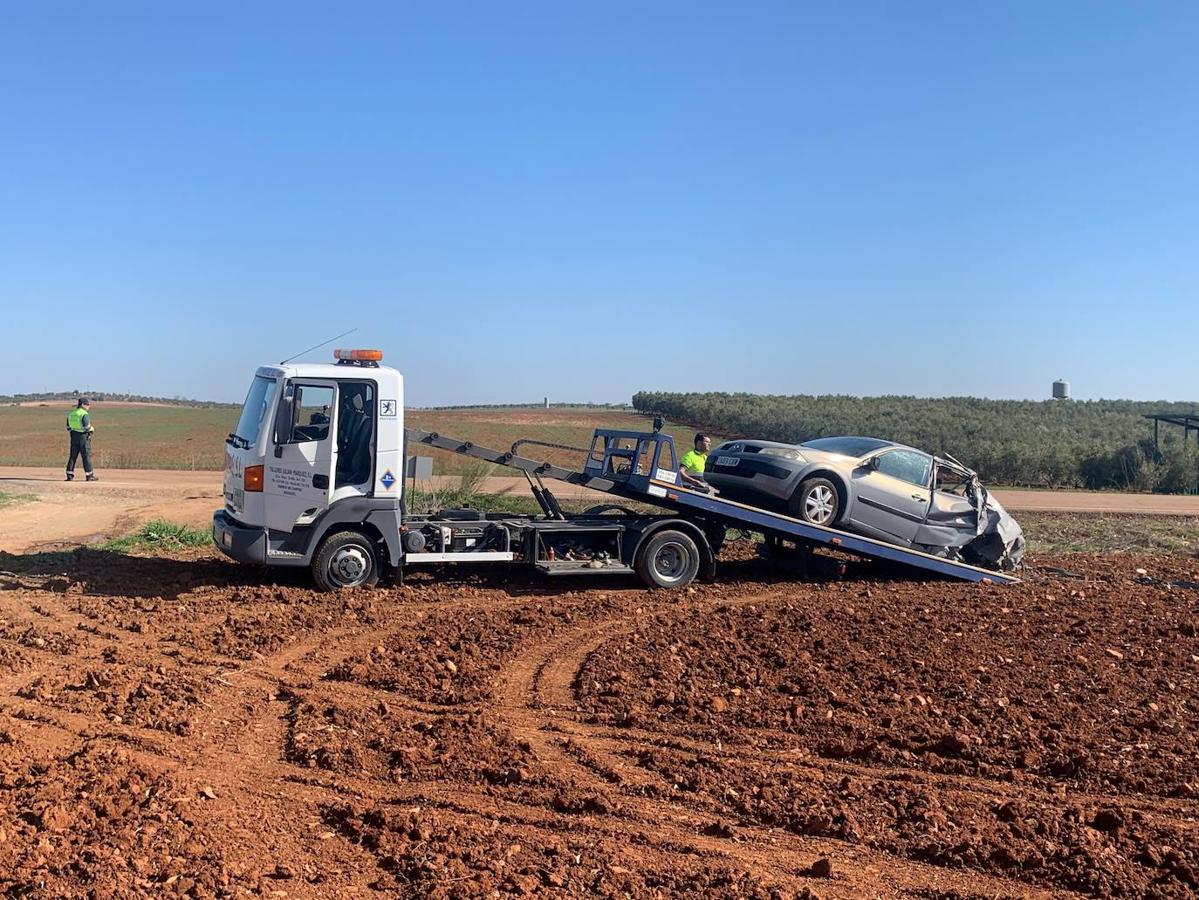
(111,397)
(538,405)
(1097,444)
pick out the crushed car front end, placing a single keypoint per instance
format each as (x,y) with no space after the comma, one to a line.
(967,523)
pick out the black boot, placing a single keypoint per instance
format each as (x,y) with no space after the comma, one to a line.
(92,477)
(70,476)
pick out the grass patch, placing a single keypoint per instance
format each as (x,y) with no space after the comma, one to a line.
(1110,533)
(160,535)
(7,499)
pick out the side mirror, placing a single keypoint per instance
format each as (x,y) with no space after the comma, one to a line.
(872,463)
(284,418)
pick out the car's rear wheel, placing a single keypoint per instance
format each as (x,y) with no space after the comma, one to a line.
(816,500)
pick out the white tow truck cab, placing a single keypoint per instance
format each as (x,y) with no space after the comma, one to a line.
(316,447)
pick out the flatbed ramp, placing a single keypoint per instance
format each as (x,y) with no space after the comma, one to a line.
(642,467)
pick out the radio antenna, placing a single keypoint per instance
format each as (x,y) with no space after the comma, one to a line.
(318,346)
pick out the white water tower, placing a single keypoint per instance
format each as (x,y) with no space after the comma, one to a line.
(1061,389)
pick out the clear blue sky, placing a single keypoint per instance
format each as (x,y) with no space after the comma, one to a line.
(582,200)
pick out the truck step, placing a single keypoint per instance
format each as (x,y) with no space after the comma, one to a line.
(581,567)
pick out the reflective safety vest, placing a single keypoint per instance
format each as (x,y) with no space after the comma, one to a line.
(75,419)
(694,461)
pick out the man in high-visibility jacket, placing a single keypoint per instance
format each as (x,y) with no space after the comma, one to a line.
(691,466)
(79,425)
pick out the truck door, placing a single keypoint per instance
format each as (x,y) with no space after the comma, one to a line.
(299,468)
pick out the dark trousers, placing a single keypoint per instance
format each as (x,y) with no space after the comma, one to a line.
(81,445)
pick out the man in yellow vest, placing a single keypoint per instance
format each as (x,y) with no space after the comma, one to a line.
(79,425)
(691,466)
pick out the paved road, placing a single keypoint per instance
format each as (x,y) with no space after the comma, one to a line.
(124,498)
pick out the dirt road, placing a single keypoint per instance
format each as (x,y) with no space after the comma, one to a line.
(80,513)
(62,513)
(178,725)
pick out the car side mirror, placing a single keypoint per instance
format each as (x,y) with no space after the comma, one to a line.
(872,463)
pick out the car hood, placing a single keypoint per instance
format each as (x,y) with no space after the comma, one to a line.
(829,458)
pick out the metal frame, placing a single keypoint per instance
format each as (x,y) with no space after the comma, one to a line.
(1185,421)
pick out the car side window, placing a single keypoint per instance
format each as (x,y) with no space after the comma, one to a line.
(951,481)
(911,466)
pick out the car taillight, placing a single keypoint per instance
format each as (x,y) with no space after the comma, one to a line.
(252,479)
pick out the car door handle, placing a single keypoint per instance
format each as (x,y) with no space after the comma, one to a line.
(320,481)
(919,497)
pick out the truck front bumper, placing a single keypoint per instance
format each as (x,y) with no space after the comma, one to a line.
(244,543)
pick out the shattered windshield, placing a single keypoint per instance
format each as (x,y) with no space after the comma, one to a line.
(258,403)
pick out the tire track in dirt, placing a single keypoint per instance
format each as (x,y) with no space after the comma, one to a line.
(534,698)
(617,740)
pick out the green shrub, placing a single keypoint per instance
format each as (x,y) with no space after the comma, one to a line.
(161,535)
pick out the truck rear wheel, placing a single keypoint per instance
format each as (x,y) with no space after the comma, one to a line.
(669,559)
(346,559)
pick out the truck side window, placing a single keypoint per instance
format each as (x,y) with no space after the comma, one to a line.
(666,458)
(311,420)
(355,433)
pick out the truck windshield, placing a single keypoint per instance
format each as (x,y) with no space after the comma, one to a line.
(258,403)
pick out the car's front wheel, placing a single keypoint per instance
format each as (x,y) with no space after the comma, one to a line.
(816,500)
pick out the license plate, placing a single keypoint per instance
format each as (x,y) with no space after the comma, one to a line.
(236,497)
(729,461)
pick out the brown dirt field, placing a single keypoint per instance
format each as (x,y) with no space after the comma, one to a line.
(182,725)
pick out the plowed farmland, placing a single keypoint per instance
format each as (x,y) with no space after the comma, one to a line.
(183,726)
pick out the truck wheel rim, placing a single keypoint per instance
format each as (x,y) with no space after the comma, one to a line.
(349,567)
(819,504)
(670,562)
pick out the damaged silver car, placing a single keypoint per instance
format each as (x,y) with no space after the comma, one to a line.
(874,487)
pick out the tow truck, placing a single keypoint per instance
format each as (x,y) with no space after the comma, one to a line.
(315,473)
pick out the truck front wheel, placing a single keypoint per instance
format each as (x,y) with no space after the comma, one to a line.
(346,559)
(669,559)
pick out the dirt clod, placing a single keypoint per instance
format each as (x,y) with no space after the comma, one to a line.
(822,868)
